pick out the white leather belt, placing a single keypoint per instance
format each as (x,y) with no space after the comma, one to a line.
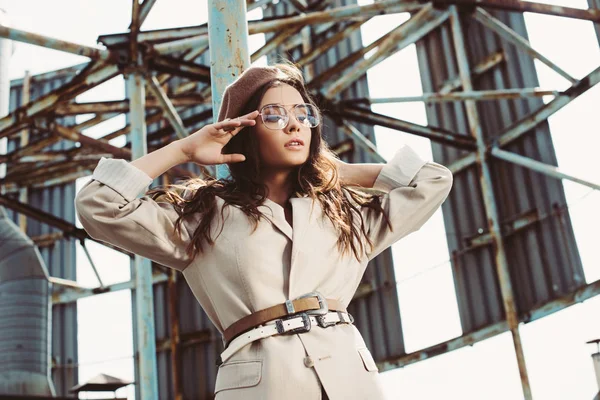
(299,323)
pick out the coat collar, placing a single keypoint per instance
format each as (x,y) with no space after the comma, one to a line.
(301,206)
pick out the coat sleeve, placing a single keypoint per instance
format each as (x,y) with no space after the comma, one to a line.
(109,210)
(413,190)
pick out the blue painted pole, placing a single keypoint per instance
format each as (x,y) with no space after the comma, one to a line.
(144,302)
(228,43)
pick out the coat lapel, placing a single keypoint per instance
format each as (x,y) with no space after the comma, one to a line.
(304,214)
(274,212)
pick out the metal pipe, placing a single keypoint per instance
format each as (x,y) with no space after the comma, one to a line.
(431,132)
(361,140)
(526,6)
(89,257)
(489,200)
(142,267)
(338,13)
(477,95)
(321,48)
(487,64)
(115,108)
(167,107)
(535,165)
(200,37)
(530,121)
(24,141)
(586,292)
(145,8)
(55,44)
(505,32)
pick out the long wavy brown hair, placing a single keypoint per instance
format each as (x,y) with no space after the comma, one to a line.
(317,178)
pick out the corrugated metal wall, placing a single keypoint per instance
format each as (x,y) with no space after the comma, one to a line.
(59,258)
(543,259)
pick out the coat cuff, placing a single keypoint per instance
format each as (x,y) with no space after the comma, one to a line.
(400,170)
(124,178)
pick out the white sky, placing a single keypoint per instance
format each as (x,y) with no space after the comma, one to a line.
(558,359)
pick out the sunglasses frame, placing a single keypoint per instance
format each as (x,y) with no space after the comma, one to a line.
(287,114)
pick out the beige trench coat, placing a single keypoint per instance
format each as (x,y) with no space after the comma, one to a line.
(244,273)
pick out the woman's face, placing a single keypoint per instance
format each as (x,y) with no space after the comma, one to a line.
(272,143)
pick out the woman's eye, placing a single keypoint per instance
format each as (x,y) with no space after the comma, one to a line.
(274,118)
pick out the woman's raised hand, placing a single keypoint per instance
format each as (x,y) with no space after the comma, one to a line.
(204,146)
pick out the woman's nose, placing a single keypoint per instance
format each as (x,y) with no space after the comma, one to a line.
(293,124)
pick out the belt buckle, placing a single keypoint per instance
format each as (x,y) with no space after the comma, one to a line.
(323,308)
(305,321)
(321,322)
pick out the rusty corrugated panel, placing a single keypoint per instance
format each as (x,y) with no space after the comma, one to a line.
(61,257)
(543,258)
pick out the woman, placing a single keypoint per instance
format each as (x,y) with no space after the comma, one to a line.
(274,253)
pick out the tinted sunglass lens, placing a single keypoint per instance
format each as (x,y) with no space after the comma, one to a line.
(274,117)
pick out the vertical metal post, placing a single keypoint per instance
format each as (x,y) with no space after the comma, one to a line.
(5,55)
(228,44)
(489,200)
(24,191)
(144,311)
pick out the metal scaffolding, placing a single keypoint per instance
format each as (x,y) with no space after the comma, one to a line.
(151,61)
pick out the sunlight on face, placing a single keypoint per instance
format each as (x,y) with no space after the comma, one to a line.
(272,149)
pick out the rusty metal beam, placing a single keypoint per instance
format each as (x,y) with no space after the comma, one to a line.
(477,95)
(538,166)
(67,295)
(367,116)
(179,67)
(508,34)
(122,106)
(530,121)
(320,49)
(487,64)
(68,229)
(82,82)
(198,36)
(422,23)
(587,292)
(167,107)
(56,44)
(525,6)
(360,139)
(145,8)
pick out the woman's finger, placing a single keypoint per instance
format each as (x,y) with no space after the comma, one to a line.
(233,158)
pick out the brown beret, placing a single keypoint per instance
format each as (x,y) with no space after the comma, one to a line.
(239,92)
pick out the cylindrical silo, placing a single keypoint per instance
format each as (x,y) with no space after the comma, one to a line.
(25,314)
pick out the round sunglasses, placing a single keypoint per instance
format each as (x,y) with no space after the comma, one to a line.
(277,117)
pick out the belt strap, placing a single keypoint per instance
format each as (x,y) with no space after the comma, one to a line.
(301,322)
(278,311)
